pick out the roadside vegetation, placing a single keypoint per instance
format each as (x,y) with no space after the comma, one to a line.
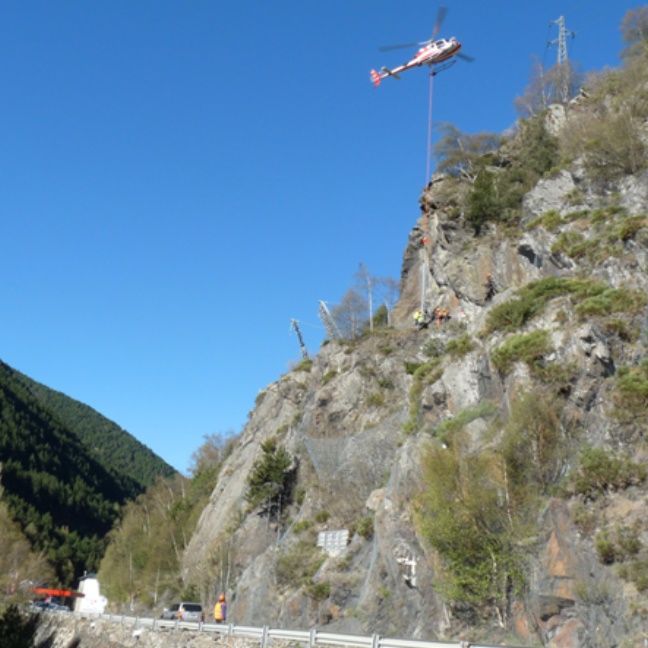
(143,560)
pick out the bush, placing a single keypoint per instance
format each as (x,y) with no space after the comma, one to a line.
(533,297)
(626,228)
(411,367)
(601,471)
(434,348)
(301,526)
(534,448)
(299,564)
(328,376)
(631,392)
(576,246)
(305,365)
(318,591)
(603,214)
(628,541)
(522,348)
(460,346)
(605,548)
(322,517)
(375,399)
(560,376)
(612,300)
(18,630)
(485,409)
(584,519)
(550,220)
(424,374)
(364,526)
(640,574)
(460,513)
(482,201)
(385,383)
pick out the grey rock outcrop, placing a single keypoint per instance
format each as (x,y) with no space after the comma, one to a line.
(343,417)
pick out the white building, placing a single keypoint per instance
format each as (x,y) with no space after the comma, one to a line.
(91,601)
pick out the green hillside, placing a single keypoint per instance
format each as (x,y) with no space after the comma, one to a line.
(62,484)
(112,446)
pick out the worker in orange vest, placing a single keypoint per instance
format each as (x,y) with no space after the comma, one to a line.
(220,610)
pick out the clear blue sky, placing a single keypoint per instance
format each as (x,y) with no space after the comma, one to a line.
(179,179)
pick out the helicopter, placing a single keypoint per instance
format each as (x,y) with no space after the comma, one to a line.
(435,53)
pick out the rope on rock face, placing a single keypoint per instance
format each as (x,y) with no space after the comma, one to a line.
(425,267)
(428,178)
(429,135)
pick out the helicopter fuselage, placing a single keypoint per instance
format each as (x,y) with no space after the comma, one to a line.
(436,51)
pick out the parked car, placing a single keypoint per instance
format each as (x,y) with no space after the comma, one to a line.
(46,606)
(184,611)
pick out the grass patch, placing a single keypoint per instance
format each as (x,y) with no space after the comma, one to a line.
(318,591)
(550,220)
(305,365)
(626,228)
(576,246)
(328,376)
(601,471)
(485,409)
(605,214)
(375,399)
(532,299)
(612,300)
(460,346)
(424,374)
(299,564)
(631,392)
(363,526)
(302,525)
(529,348)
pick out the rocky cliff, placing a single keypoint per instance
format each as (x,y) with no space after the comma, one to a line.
(563,331)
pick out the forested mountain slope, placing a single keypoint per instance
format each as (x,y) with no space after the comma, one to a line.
(61,492)
(112,446)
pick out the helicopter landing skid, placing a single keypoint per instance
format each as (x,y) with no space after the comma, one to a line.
(442,67)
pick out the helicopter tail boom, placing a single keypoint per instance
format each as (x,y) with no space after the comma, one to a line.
(385,72)
(391,73)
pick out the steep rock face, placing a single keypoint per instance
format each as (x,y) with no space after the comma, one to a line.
(358,421)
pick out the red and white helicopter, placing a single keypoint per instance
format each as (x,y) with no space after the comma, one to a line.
(433,53)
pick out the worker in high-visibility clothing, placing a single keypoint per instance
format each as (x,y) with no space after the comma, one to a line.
(220,610)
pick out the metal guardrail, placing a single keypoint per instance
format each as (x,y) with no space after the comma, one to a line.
(310,638)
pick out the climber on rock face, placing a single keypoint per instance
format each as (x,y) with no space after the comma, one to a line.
(490,287)
(418,319)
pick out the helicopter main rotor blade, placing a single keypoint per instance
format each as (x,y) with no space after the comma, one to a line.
(440,17)
(465,57)
(387,48)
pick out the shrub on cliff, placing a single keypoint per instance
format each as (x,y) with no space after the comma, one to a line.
(270,478)
(601,471)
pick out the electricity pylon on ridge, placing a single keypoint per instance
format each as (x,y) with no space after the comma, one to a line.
(561,42)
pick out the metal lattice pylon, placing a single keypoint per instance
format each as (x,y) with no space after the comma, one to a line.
(331,327)
(561,41)
(294,325)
